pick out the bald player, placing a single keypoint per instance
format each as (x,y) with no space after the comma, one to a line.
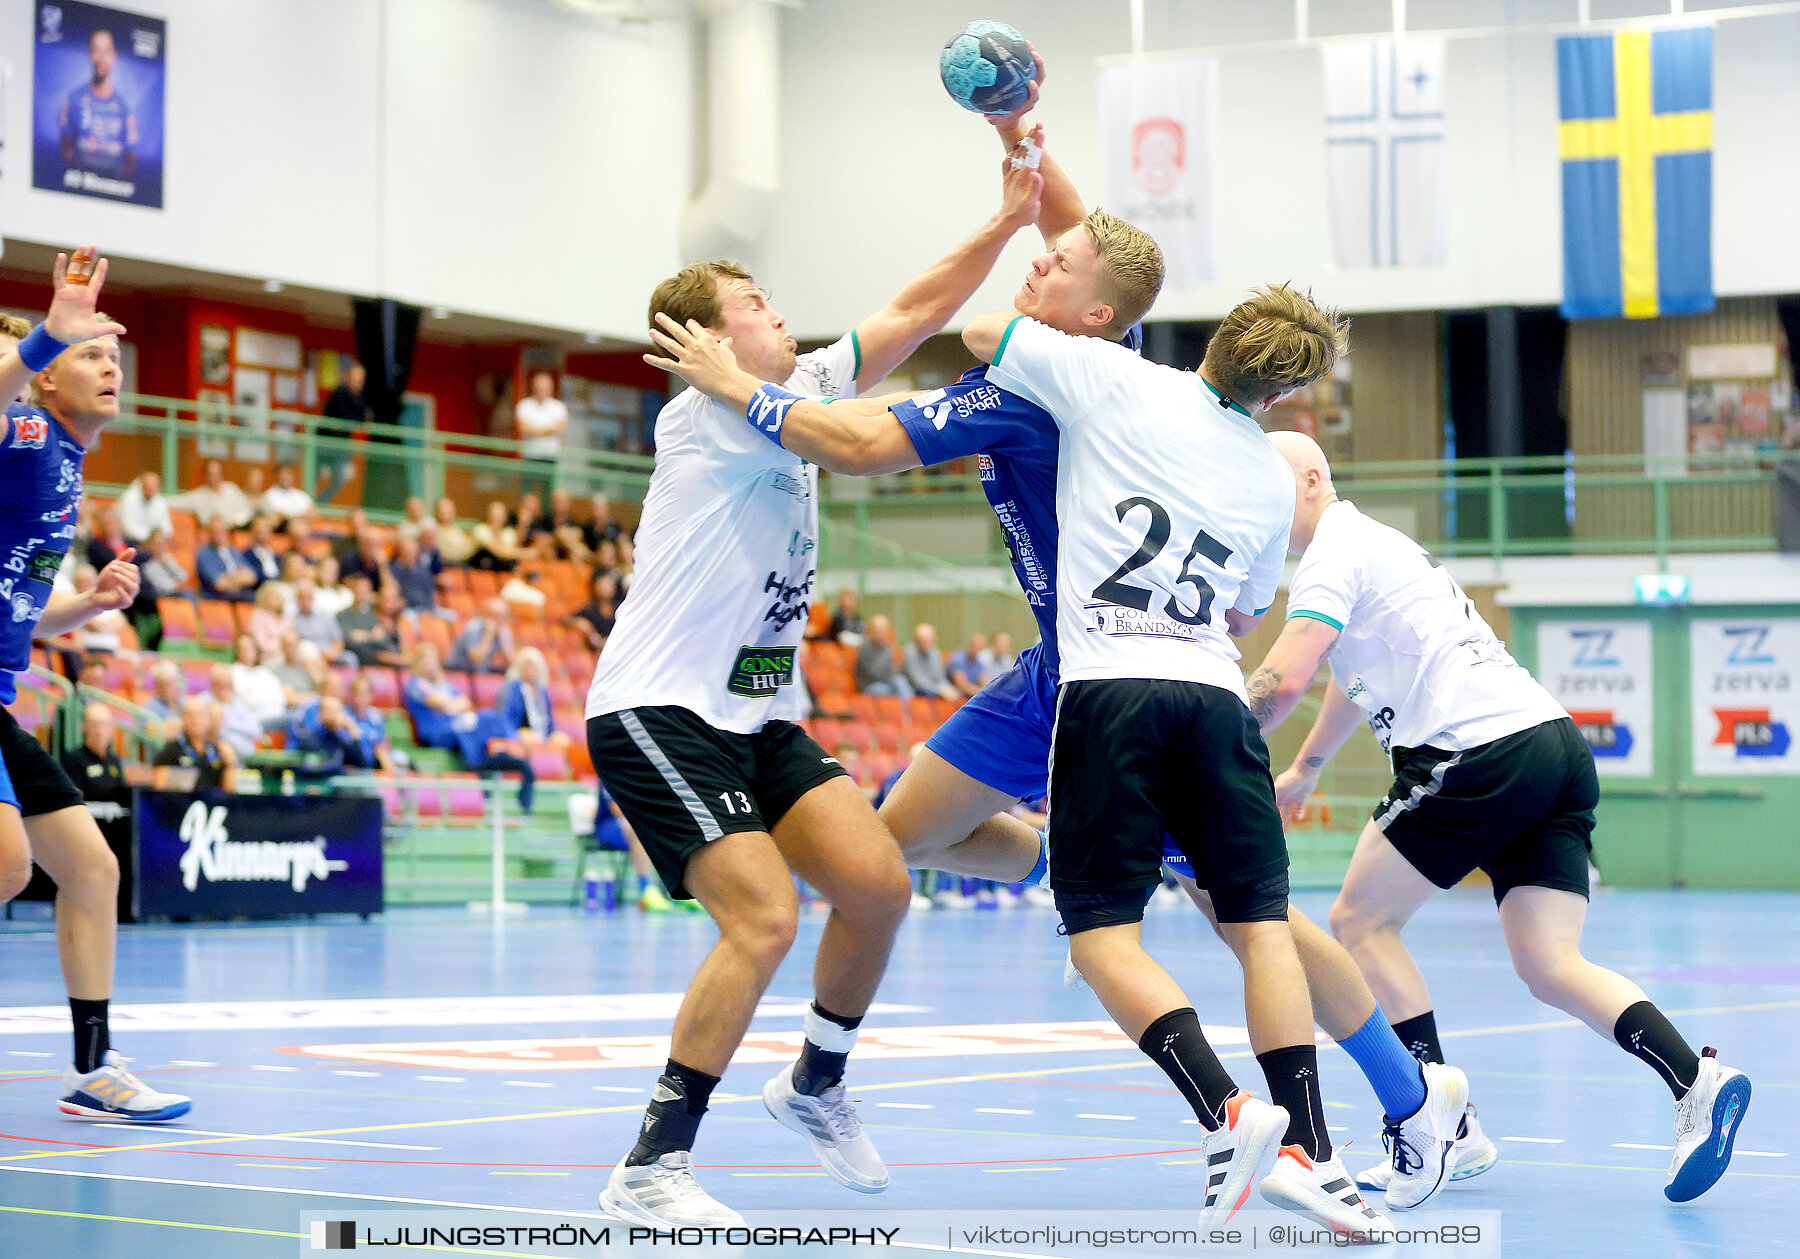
(1490,773)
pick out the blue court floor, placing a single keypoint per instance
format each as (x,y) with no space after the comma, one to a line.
(432,1059)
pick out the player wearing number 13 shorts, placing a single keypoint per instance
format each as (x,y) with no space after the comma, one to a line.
(691,725)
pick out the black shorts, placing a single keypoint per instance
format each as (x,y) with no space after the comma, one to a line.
(1520,808)
(1133,758)
(39,784)
(682,783)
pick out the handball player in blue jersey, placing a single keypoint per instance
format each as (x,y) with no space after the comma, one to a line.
(72,362)
(949,810)
(99,131)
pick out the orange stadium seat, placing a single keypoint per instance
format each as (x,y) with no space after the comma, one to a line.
(180,619)
(218,622)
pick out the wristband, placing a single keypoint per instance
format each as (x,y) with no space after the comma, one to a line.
(39,349)
(768,407)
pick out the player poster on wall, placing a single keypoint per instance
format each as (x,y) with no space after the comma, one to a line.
(97,103)
(1746,701)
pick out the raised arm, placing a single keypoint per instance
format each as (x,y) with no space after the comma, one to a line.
(923,307)
(1060,207)
(1288,670)
(75,288)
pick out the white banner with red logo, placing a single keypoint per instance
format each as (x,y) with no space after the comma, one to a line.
(1746,700)
(1159,158)
(1601,671)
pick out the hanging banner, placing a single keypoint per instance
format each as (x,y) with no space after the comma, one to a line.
(1384,146)
(1158,158)
(1746,695)
(1601,672)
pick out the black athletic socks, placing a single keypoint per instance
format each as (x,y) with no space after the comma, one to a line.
(674,1114)
(1177,1045)
(1420,1036)
(1643,1032)
(1293,1076)
(829,1038)
(91,1038)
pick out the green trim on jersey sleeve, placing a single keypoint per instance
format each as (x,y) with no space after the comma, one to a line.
(856,349)
(1264,611)
(1319,616)
(1004,338)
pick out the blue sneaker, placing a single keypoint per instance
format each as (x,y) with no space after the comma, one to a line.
(1706,1123)
(112,1092)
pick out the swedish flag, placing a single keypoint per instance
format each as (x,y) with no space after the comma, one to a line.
(1636,141)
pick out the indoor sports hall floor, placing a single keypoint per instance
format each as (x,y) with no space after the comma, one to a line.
(423,1058)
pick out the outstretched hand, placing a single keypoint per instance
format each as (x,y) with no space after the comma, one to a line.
(704,361)
(1022,187)
(1031,97)
(117,586)
(75,300)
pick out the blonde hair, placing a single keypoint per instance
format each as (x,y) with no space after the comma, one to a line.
(1131,268)
(514,672)
(13,326)
(1275,340)
(693,293)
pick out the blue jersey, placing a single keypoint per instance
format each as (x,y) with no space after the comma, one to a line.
(40,466)
(100,129)
(1015,444)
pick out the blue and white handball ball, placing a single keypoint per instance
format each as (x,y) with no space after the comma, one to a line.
(987,68)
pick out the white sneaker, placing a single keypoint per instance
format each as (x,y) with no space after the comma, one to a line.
(1073,979)
(112,1092)
(919,902)
(1473,1155)
(830,1123)
(950,900)
(1706,1124)
(1039,897)
(1166,897)
(1419,1146)
(1239,1155)
(1322,1192)
(664,1192)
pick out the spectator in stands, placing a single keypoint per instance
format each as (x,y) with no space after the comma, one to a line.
(109,633)
(530,507)
(559,523)
(260,553)
(91,676)
(877,671)
(239,726)
(1003,654)
(299,667)
(303,537)
(970,666)
(415,575)
(444,718)
(414,521)
(924,667)
(847,624)
(496,541)
(93,765)
(454,543)
(486,642)
(601,527)
(314,625)
(377,752)
(344,546)
(293,569)
(595,620)
(362,630)
(851,760)
(209,763)
(625,563)
(164,576)
(606,560)
(525,705)
(108,541)
(323,726)
(268,621)
(347,408)
(370,557)
(540,419)
(143,509)
(217,499)
(522,589)
(167,691)
(285,501)
(334,595)
(223,571)
(256,684)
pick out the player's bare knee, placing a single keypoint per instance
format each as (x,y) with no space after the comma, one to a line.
(764,934)
(15,873)
(1349,924)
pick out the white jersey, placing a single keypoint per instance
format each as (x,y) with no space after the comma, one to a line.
(1412,651)
(727,554)
(1172,506)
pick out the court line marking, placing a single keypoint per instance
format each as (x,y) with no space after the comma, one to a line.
(1633,1145)
(1121,1118)
(1621,1167)
(1536,1140)
(760,1175)
(1001,1110)
(251,1136)
(905,1105)
(1000,1171)
(1759,1153)
(442,1079)
(132,1219)
(367,1075)
(285,1167)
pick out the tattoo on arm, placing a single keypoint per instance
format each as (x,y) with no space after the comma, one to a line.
(1314,762)
(1262,688)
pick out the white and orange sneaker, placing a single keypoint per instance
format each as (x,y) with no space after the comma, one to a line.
(1322,1191)
(112,1092)
(1239,1154)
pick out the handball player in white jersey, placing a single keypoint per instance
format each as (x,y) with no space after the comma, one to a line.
(1490,773)
(691,723)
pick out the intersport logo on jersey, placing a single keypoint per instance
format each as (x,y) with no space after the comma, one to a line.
(214,856)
